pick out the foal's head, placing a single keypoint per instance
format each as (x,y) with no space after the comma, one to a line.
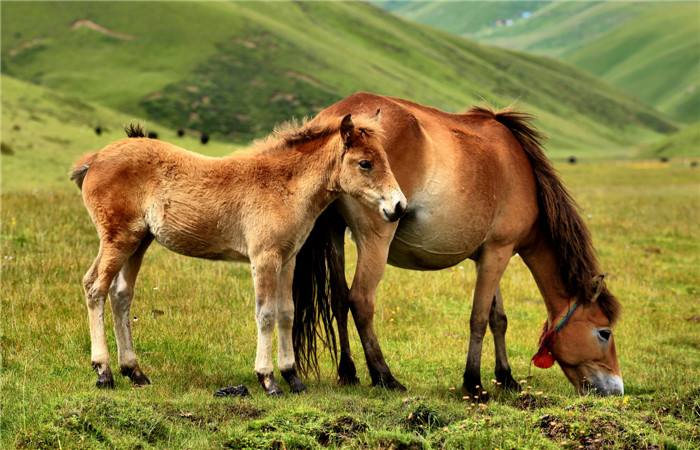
(583,344)
(365,173)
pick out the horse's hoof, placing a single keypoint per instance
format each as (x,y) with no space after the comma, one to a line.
(345,380)
(505,380)
(347,374)
(389,383)
(137,377)
(232,391)
(268,383)
(475,393)
(105,380)
(294,382)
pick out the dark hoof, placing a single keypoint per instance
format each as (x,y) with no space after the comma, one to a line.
(294,382)
(137,377)
(505,381)
(232,391)
(475,393)
(105,380)
(389,383)
(347,374)
(268,383)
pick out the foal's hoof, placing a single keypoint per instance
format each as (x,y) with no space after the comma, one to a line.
(475,393)
(232,391)
(137,377)
(505,380)
(105,380)
(268,383)
(294,382)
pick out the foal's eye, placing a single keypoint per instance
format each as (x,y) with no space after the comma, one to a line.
(365,164)
(604,335)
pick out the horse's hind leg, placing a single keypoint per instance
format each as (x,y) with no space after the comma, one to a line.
(121,294)
(96,284)
(498,322)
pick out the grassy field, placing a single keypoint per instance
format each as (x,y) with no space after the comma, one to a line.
(194,328)
(648,49)
(236,68)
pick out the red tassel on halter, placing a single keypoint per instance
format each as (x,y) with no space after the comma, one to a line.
(543,358)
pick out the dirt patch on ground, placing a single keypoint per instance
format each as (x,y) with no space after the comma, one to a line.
(341,429)
(89,24)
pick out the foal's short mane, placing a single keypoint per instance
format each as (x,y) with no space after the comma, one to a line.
(293,133)
(569,235)
(134,130)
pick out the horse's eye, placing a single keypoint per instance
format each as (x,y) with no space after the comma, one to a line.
(365,164)
(604,335)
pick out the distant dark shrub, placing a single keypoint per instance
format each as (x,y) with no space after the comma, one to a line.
(693,163)
(664,159)
(5,149)
(180,132)
(204,138)
(98,130)
(572,160)
(152,135)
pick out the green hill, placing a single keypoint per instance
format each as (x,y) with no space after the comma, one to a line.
(235,69)
(684,143)
(649,49)
(43,132)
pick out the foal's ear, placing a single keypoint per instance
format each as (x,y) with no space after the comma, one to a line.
(347,130)
(378,115)
(598,286)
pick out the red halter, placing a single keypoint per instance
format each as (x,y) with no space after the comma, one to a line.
(544,358)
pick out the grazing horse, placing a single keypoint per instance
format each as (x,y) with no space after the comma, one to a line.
(256,206)
(480,187)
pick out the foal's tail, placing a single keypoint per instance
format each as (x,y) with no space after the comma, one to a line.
(80,169)
(568,233)
(319,287)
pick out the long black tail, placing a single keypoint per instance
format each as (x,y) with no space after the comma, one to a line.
(319,286)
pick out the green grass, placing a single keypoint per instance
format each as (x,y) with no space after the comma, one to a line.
(650,50)
(195,330)
(237,68)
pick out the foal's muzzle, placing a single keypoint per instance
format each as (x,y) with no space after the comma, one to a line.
(395,207)
(605,384)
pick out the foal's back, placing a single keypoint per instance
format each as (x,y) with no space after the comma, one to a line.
(139,186)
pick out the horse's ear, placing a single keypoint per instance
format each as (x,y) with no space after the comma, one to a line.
(347,130)
(598,286)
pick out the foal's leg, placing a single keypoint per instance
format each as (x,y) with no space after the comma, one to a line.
(121,294)
(490,267)
(96,284)
(498,322)
(266,274)
(285,322)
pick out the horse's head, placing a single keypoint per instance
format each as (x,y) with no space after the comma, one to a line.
(581,340)
(365,173)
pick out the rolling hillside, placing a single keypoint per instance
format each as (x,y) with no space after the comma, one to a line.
(235,69)
(648,49)
(684,143)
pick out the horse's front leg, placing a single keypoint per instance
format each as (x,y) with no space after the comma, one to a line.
(373,240)
(490,267)
(285,322)
(266,277)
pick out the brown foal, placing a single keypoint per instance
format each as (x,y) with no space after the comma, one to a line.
(256,206)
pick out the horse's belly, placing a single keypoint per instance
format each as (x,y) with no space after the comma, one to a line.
(429,240)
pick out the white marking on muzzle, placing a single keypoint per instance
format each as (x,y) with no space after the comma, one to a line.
(388,205)
(609,384)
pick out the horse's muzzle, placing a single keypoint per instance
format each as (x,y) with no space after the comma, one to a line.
(605,385)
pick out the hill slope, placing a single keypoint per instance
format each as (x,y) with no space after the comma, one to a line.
(237,68)
(684,143)
(648,49)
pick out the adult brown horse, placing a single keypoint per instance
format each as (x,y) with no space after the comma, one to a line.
(478,186)
(257,207)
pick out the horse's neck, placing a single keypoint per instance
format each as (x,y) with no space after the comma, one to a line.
(542,262)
